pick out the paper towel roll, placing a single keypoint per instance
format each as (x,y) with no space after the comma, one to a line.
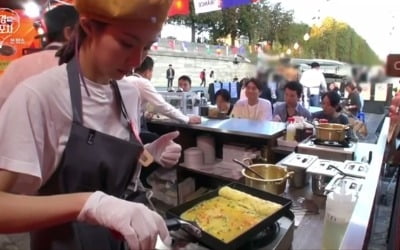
(207,145)
(193,157)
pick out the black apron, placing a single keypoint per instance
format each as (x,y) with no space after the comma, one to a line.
(91,161)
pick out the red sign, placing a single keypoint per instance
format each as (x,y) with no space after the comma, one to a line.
(179,7)
(393,65)
(16,34)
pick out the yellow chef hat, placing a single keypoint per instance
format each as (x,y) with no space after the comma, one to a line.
(125,11)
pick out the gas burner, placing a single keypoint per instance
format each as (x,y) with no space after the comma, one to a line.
(340,144)
(264,238)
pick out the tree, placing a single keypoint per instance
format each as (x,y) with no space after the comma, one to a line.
(279,23)
(337,40)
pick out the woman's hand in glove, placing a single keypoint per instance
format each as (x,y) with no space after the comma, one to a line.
(135,222)
(164,150)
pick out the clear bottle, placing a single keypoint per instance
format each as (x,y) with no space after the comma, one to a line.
(290,130)
(339,208)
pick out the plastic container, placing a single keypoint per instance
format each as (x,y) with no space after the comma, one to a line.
(339,208)
(291,130)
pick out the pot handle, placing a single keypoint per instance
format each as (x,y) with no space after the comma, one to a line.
(287,176)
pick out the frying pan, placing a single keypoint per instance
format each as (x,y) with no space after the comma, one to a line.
(213,242)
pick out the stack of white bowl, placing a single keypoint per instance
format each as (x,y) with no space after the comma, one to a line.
(207,145)
(193,157)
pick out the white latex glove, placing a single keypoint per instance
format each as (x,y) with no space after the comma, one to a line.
(135,222)
(164,150)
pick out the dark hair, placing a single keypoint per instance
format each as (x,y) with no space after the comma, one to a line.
(243,81)
(185,78)
(334,99)
(350,84)
(147,64)
(224,94)
(359,88)
(295,86)
(67,52)
(57,19)
(315,65)
(170,65)
(255,81)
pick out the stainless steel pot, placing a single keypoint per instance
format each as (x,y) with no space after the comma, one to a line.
(275,178)
(331,131)
(319,182)
(299,178)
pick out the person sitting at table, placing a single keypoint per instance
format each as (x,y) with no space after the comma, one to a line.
(184,84)
(291,106)
(223,101)
(253,108)
(331,109)
(353,100)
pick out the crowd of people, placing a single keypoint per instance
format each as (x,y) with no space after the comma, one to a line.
(284,91)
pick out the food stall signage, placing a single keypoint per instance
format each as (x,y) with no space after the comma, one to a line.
(9,23)
(393,65)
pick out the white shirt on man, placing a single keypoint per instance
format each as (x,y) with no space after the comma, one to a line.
(150,95)
(262,111)
(313,79)
(36,119)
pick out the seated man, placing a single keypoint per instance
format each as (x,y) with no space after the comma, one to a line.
(291,106)
(184,84)
(331,109)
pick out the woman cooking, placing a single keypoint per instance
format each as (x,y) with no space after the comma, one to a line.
(70,136)
(331,109)
(253,108)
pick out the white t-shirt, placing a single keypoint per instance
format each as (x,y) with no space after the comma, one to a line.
(150,95)
(313,79)
(36,119)
(23,68)
(262,111)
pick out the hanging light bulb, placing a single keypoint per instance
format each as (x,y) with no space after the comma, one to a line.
(288,51)
(296,46)
(306,37)
(40,31)
(32,9)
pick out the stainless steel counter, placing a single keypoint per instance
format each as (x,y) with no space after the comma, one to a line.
(242,127)
(356,234)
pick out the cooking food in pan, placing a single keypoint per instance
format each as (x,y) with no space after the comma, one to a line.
(230,214)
